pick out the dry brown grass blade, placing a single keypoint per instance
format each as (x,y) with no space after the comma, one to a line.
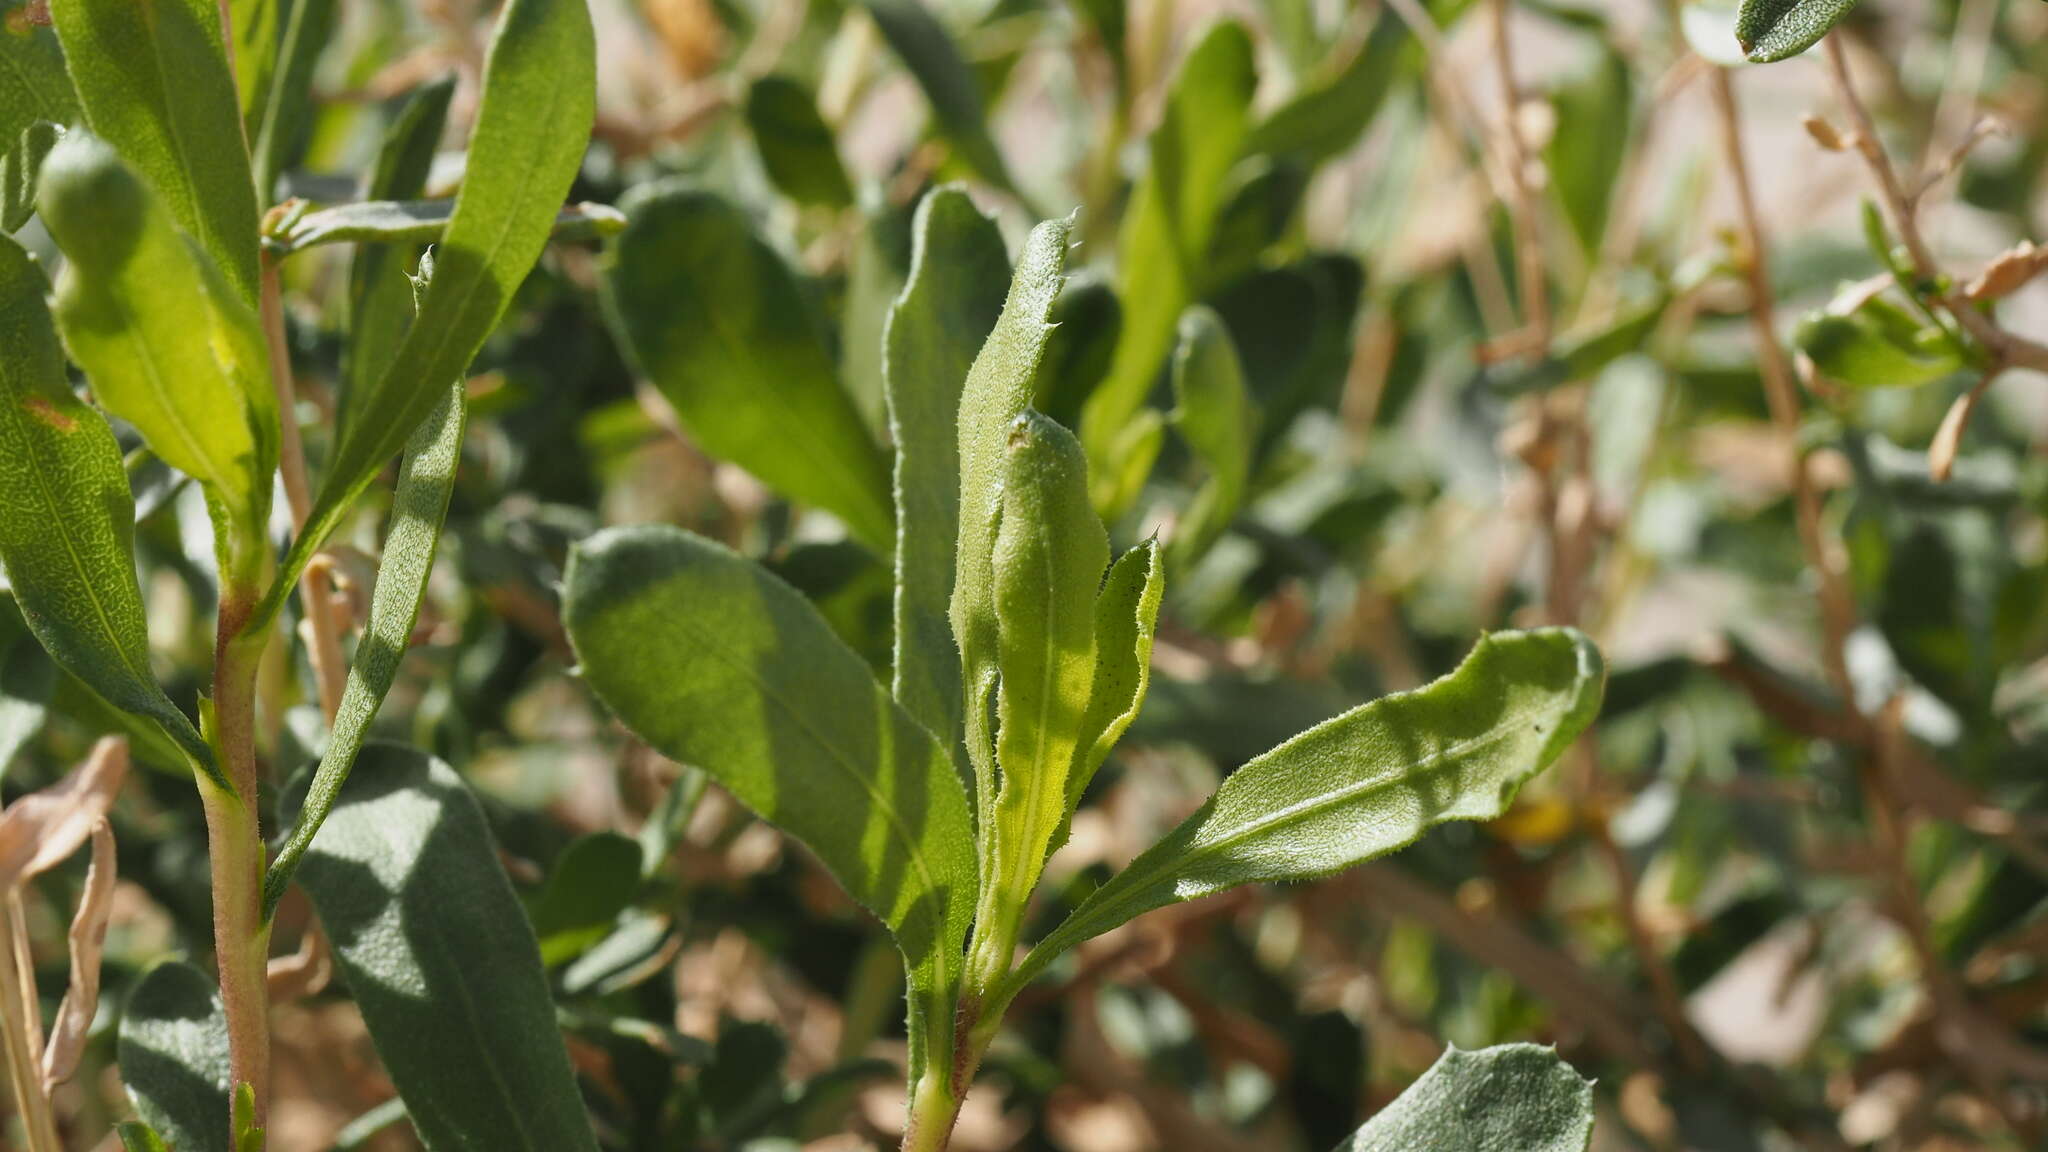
(41,830)
(88,935)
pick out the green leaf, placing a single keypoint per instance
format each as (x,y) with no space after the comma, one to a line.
(998,390)
(1330,111)
(715,319)
(416,222)
(1125,614)
(1215,416)
(1876,346)
(380,294)
(1050,552)
(139,1137)
(173,1053)
(1586,152)
(27,680)
(797,146)
(958,273)
(165,342)
(935,62)
(155,83)
(715,663)
(438,954)
(594,879)
(20,167)
(533,123)
(425,482)
(1165,235)
(1777,29)
(1363,784)
(287,105)
(248,1135)
(1580,356)
(254,24)
(1510,1098)
(34,84)
(67,520)
(1086,320)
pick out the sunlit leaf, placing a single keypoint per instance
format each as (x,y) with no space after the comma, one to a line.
(1777,29)
(1512,1098)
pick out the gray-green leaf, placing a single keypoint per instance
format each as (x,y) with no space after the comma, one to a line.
(1365,783)
(425,482)
(998,390)
(437,952)
(533,124)
(174,1057)
(1215,416)
(155,83)
(418,222)
(958,274)
(1877,345)
(1777,29)
(165,342)
(67,519)
(716,663)
(715,319)
(1510,1098)
(1125,614)
(797,147)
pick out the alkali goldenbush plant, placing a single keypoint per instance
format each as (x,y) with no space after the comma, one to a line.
(1021,655)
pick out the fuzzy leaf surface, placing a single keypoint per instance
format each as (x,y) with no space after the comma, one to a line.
(174,1057)
(1509,1098)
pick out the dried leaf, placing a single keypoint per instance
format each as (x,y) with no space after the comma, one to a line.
(2009,273)
(88,935)
(41,830)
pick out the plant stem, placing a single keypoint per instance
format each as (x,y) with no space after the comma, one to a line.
(21,1022)
(241,937)
(934,1109)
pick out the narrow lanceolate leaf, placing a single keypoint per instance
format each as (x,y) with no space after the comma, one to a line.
(154,80)
(380,294)
(165,343)
(797,147)
(935,62)
(438,955)
(282,119)
(67,520)
(1125,613)
(533,122)
(20,167)
(1510,1098)
(173,1054)
(425,481)
(33,82)
(417,222)
(715,319)
(1049,556)
(998,390)
(1165,236)
(1216,417)
(958,274)
(1332,109)
(716,663)
(1364,784)
(1777,29)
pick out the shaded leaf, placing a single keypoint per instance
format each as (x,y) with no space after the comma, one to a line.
(958,273)
(286,108)
(425,482)
(1329,112)
(934,61)
(593,880)
(165,342)
(1510,1098)
(438,954)
(715,663)
(27,679)
(416,222)
(173,1053)
(533,123)
(1216,418)
(1365,783)
(1125,614)
(1776,29)
(715,319)
(67,520)
(1086,322)
(34,85)
(797,146)
(155,83)
(20,167)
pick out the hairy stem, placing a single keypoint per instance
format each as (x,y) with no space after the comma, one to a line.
(235,850)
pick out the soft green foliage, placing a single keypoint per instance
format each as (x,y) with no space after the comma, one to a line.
(1126,612)
(1513,1098)
(26,682)
(248,1135)
(1365,783)
(1327,114)
(1778,29)
(425,481)
(439,956)
(998,390)
(1216,418)
(797,146)
(165,342)
(174,1057)
(286,108)
(714,662)
(928,51)
(1877,344)
(954,293)
(713,317)
(138,1137)
(154,82)
(20,168)
(416,222)
(1163,244)
(593,881)
(66,516)
(537,105)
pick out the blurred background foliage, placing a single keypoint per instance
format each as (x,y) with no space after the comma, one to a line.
(1486,358)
